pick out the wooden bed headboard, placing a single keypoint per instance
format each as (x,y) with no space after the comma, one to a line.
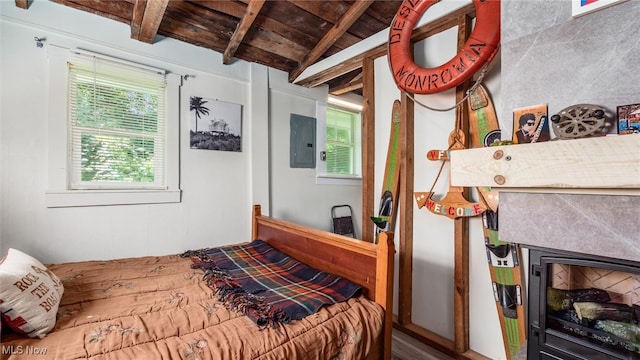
(366,264)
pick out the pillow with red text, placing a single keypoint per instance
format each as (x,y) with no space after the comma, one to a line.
(30,294)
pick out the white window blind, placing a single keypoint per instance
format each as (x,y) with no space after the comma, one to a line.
(340,141)
(117,125)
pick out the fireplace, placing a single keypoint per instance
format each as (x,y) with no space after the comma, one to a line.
(568,199)
(582,306)
(573,241)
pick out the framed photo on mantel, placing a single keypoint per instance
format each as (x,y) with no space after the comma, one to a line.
(530,124)
(629,119)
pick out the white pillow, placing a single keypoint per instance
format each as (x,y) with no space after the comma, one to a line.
(30,294)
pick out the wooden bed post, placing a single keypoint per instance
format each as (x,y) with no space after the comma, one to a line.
(257,211)
(384,286)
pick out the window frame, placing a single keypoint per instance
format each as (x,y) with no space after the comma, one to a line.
(59,192)
(322,176)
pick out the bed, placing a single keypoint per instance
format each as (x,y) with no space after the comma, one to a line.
(159,307)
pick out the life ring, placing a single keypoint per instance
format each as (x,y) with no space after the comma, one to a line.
(480,48)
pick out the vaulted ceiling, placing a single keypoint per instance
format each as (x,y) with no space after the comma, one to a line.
(289,35)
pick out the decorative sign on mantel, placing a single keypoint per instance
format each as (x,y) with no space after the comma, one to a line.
(583,7)
(628,119)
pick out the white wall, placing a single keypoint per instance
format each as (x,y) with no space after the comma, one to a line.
(218,188)
(302,201)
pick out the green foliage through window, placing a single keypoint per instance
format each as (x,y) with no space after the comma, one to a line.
(116,118)
(340,140)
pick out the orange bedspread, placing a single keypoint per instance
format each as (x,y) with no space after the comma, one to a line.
(159,308)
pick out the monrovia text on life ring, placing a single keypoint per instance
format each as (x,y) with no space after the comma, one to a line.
(479,49)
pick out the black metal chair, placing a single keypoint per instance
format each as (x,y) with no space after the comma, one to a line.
(342,217)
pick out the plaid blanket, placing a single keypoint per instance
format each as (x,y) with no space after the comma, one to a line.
(267,285)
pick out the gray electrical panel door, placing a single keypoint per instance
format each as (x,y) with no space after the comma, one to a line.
(302,143)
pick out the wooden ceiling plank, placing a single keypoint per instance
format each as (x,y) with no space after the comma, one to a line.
(114,10)
(355,84)
(233,8)
(346,89)
(151,19)
(276,44)
(253,8)
(174,28)
(331,11)
(437,26)
(22,4)
(345,22)
(266,58)
(384,11)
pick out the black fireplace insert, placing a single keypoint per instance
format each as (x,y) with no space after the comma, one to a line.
(582,307)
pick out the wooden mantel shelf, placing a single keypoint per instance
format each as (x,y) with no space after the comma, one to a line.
(610,164)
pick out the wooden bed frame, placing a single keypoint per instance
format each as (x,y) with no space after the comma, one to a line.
(366,264)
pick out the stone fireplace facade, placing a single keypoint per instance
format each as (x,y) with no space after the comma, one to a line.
(604,225)
(570,241)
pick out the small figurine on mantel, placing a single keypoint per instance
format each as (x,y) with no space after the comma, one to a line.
(530,124)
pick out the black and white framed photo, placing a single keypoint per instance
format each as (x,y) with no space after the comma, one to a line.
(215,125)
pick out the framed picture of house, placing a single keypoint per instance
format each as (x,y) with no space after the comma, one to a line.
(215,125)
(582,7)
(629,119)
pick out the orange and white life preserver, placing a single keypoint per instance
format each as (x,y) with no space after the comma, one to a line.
(480,48)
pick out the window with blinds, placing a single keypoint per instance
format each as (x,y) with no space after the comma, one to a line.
(116,118)
(340,141)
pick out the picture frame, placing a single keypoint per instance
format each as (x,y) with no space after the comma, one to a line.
(531,124)
(628,119)
(215,124)
(583,7)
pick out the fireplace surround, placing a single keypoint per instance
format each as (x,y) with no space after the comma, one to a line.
(580,196)
(572,240)
(582,306)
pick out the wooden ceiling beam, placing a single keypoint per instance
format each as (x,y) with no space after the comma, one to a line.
(342,68)
(253,8)
(437,26)
(23,4)
(346,89)
(146,19)
(338,29)
(136,17)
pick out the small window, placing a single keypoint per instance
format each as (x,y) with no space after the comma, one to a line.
(339,143)
(113,131)
(116,116)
